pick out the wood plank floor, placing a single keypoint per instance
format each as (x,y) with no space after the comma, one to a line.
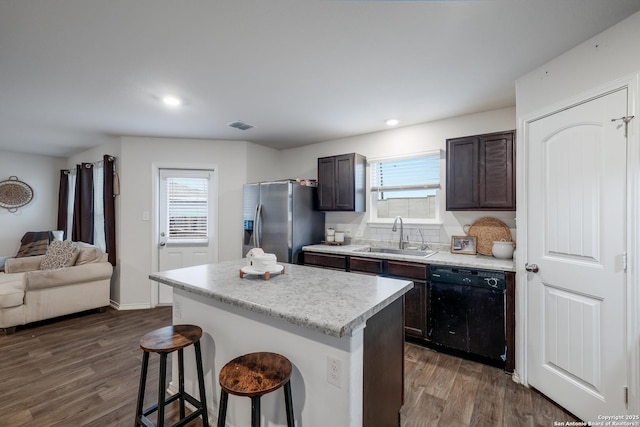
(84,371)
(446,391)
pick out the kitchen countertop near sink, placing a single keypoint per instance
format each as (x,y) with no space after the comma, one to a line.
(440,258)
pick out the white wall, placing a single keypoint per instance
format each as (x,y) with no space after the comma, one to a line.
(262,164)
(608,56)
(137,237)
(42,174)
(302,162)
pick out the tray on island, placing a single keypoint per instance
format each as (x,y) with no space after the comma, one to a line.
(247,269)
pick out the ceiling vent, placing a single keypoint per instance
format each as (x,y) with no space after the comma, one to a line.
(240,125)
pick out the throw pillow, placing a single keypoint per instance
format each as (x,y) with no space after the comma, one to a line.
(87,253)
(59,254)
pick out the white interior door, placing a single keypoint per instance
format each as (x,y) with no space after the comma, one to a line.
(186,235)
(576,217)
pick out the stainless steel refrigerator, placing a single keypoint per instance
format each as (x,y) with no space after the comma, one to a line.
(280,218)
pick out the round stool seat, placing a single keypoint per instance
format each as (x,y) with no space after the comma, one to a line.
(255,374)
(164,341)
(170,338)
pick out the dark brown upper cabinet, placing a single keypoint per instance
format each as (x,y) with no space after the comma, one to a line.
(481,172)
(341,183)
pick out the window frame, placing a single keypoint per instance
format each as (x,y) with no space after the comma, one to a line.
(373,194)
(185,174)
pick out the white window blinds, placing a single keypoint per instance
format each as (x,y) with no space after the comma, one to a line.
(188,207)
(409,176)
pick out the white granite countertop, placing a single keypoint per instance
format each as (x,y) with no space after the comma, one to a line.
(440,258)
(332,302)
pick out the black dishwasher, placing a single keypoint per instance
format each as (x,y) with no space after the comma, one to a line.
(467,312)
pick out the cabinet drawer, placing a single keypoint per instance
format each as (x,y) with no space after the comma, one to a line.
(366,265)
(410,270)
(325,260)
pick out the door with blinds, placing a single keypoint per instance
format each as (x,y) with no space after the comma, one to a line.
(186,222)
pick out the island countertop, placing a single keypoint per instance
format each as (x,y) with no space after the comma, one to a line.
(331,302)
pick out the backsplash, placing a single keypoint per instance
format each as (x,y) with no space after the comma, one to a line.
(431,233)
(381,234)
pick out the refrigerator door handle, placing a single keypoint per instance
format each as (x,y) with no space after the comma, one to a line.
(257,226)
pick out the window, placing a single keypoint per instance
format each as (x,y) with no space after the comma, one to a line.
(406,187)
(93,213)
(187,208)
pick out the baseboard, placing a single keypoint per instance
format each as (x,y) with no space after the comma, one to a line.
(119,306)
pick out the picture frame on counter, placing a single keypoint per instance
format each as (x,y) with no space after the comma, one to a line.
(464,245)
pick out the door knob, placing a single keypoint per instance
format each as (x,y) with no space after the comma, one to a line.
(531,267)
(163,243)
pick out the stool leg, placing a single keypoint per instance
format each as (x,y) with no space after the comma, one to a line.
(255,411)
(222,411)
(288,403)
(181,382)
(141,388)
(162,389)
(203,394)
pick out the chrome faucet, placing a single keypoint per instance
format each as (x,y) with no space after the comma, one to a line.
(423,246)
(395,228)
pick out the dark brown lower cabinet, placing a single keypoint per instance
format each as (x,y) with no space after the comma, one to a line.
(383,365)
(416,301)
(510,320)
(335,262)
(415,310)
(365,265)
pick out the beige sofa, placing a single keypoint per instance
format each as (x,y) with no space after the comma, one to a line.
(28,294)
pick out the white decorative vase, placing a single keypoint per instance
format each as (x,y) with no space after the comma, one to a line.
(502,249)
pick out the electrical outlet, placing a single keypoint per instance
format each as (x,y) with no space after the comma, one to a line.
(334,371)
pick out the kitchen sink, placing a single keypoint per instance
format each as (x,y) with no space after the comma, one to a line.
(411,252)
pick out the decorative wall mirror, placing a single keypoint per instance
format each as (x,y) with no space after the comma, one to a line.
(14,194)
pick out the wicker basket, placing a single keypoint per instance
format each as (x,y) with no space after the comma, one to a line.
(487,230)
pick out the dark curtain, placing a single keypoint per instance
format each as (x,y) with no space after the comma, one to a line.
(83,209)
(110,208)
(63,197)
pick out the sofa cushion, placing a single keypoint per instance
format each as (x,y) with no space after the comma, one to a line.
(20,265)
(59,254)
(88,253)
(11,294)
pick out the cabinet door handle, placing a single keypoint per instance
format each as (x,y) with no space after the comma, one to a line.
(533,268)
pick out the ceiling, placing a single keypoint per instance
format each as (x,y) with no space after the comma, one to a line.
(77,73)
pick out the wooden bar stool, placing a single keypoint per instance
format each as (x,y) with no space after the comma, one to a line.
(254,375)
(164,341)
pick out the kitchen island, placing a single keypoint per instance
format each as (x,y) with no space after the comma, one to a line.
(343,333)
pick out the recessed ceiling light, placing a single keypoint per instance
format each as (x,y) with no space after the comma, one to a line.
(172,101)
(392,122)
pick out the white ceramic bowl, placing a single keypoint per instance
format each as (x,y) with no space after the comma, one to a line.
(502,249)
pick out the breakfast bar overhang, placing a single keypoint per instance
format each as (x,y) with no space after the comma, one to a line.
(342,332)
